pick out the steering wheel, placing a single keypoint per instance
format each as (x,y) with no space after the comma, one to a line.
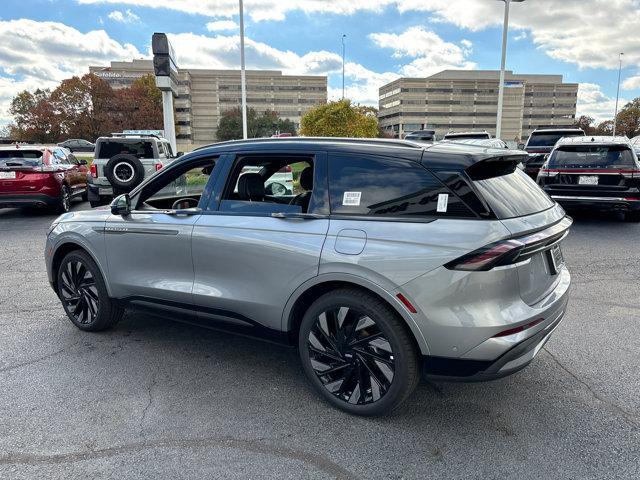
(184,203)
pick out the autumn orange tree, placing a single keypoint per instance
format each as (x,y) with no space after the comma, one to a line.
(339,119)
(85,107)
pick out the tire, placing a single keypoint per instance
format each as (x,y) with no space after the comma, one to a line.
(632,216)
(64,200)
(82,291)
(325,344)
(124,172)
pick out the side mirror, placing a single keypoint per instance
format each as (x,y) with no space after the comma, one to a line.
(121,205)
(82,162)
(179,154)
(521,146)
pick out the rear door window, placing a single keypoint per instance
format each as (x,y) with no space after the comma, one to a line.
(600,157)
(388,187)
(140,149)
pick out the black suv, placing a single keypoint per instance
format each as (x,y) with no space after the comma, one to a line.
(540,144)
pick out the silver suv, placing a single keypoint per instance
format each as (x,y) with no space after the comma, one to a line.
(388,259)
(122,161)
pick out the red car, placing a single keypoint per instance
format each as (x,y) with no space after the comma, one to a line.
(38,176)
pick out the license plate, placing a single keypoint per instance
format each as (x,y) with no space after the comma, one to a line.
(587,180)
(556,259)
(7,175)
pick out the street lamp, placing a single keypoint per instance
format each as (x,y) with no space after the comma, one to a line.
(505,31)
(243,79)
(343,37)
(615,116)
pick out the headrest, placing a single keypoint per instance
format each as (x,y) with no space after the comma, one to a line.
(251,187)
(306,178)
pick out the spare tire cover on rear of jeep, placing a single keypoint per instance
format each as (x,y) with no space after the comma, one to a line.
(124,171)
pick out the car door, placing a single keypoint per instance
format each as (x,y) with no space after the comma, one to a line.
(250,256)
(149,250)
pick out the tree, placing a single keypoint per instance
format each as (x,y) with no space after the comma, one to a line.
(139,107)
(265,125)
(628,119)
(604,128)
(35,117)
(586,123)
(339,119)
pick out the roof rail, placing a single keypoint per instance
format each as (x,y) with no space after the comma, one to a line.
(364,141)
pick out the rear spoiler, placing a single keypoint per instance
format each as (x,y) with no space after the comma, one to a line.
(495,166)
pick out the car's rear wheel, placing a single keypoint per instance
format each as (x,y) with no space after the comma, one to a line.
(64,200)
(357,353)
(84,295)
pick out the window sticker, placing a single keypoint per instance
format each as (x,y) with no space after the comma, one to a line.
(351,199)
(443,202)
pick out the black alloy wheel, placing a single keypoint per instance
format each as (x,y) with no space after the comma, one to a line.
(64,201)
(358,353)
(83,293)
(79,292)
(351,356)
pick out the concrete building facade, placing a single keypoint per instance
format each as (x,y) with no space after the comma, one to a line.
(205,94)
(461,100)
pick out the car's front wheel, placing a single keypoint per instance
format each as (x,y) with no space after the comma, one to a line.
(84,295)
(357,353)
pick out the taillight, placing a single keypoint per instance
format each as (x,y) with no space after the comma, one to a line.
(93,170)
(493,255)
(285,169)
(546,172)
(159,166)
(511,251)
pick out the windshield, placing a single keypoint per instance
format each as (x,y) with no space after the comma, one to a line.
(549,139)
(600,156)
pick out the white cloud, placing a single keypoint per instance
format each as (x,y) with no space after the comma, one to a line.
(222,51)
(221,25)
(631,83)
(594,103)
(258,10)
(41,54)
(127,17)
(521,36)
(430,53)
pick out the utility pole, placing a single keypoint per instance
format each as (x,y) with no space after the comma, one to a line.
(343,47)
(615,116)
(243,79)
(505,33)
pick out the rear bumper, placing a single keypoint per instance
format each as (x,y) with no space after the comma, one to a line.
(27,200)
(590,202)
(96,192)
(512,361)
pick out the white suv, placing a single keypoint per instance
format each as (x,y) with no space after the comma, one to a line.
(121,162)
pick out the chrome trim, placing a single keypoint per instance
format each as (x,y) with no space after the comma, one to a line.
(602,199)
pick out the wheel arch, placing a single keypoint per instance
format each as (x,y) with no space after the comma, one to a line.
(61,251)
(308,292)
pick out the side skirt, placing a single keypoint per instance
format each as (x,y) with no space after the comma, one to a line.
(206,317)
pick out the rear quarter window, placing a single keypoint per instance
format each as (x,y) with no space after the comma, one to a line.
(513,194)
(388,187)
(109,148)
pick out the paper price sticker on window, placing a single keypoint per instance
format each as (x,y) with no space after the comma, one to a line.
(443,203)
(351,199)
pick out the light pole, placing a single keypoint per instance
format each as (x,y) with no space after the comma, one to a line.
(505,32)
(615,116)
(243,79)
(343,46)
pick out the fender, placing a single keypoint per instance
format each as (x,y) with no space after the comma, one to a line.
(390,298)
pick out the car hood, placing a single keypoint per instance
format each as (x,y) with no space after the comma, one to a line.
(99,214)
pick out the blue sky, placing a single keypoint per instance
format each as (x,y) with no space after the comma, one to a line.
(44,41)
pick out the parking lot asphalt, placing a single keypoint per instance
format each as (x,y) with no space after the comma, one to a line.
(157,399)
